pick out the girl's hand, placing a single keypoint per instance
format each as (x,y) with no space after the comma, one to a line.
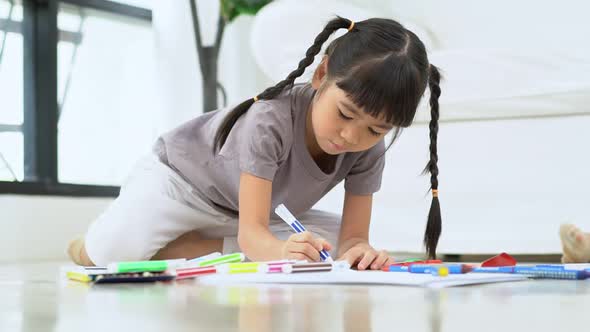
(364,256)
(303,246)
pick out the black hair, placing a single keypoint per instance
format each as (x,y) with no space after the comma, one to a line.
(384,69)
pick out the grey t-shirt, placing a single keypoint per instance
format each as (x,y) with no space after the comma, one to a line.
(268,142)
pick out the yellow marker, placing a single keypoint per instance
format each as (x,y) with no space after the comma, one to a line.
(232,268)
(78,276)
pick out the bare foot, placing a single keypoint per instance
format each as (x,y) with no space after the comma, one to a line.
(575,244)
(77,252)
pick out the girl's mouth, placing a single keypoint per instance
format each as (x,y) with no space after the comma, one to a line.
(337,146)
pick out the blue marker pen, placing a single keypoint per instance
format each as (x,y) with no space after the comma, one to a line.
(496,269)
(290,219)
(453,268)
(397,268)
(551,266)
(543,273)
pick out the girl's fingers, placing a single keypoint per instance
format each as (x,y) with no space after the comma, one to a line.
(301,237)
(389,261)
(306,249)
(298,256)
(352,256)
(380,260)
(368,258)
(307,237)
(322,244)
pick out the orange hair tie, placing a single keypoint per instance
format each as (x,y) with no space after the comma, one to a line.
(255,98)
(434,192)
(351,26)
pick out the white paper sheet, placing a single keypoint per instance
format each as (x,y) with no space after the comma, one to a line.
(362,277)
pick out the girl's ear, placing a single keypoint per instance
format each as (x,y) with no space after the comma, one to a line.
(320,73)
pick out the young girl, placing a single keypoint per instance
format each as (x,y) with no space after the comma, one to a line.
(212,183)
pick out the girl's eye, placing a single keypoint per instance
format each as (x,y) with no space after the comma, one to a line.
(344,116)
(373,132)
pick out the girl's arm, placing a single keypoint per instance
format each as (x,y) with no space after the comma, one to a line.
(254,237)
(354,233)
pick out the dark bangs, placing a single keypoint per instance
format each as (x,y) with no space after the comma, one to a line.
(388,88)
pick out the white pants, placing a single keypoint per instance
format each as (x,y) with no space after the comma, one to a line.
(156,206)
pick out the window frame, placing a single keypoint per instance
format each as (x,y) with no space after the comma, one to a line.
(40,80)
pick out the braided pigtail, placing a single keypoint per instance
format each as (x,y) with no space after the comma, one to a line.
(434,224)
(272,92)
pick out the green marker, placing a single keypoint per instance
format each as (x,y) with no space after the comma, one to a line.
(143,266)
(412,260)
(231,258)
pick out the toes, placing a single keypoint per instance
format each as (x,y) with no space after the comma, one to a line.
(565,259)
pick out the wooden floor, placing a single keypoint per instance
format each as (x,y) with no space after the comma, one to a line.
(35,297)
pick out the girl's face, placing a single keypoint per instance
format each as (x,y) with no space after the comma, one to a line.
(340,126)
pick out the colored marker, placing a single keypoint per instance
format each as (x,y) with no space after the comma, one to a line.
(276,266)
(551,266)
(290,219)
(396,268)
(231,258)
(453,268)
(204,258)
(418,261)
(134,277)
(191,272)
(551,273)
(78,276)
(494,269)
(432,269)
(95,271)
(233,268)
(141,266)
(307,267)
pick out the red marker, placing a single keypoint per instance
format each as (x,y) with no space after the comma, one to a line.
(192,272)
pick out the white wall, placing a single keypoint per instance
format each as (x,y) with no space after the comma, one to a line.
(504,186)
(40,227)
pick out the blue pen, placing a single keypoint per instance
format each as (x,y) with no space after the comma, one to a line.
(431,269)
(551,273)
(453,268)
(397,268)
(494,269)
(290,219)
(551,266)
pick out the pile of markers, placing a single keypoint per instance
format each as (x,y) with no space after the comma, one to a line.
(166,270)
(543,271)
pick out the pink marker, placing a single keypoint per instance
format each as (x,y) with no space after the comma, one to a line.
(276,266)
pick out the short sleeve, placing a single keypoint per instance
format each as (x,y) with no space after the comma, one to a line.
(365,176)
(265,138)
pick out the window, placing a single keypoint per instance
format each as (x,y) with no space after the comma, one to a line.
(93,60)
(11,91)
(106,95)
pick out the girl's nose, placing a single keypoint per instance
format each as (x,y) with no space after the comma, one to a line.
(350,135)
